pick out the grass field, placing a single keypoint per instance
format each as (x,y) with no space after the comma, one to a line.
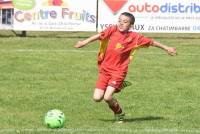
(43,71)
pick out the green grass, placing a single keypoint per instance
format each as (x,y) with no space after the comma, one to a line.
(43,71)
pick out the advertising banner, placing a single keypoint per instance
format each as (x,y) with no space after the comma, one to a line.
(55,15)
(171,16)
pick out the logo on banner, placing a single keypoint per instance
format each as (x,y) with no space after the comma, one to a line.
(62,3)
(115,5)
(24,4)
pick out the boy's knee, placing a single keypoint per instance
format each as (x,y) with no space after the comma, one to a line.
(107,98)
(97,98)
(98,95)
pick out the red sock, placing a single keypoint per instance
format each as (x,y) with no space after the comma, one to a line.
(115,107)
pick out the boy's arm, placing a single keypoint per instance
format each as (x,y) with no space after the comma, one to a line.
(83,43)
(169,50)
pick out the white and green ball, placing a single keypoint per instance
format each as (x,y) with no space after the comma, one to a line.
(54,119)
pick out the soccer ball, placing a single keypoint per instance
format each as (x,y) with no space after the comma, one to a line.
(54,119)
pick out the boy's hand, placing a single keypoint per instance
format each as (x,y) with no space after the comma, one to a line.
(85,42)
(79,44)
(171,51)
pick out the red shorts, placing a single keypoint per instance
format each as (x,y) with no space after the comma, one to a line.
(113,79)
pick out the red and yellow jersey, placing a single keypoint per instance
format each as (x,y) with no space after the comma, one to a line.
(117,48)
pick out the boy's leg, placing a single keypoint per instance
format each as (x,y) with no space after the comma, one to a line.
(113,104)
(98,94)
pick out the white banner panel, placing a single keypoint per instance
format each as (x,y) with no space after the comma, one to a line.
(169,16)
(55,15)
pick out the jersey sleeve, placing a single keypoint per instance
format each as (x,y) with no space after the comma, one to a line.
(104,39)
(105,34)
(143,41)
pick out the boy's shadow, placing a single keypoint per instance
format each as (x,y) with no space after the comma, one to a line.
(138,119)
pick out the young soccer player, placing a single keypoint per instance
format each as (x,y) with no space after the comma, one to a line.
(117,44)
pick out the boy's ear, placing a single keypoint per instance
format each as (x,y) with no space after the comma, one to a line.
(132,25)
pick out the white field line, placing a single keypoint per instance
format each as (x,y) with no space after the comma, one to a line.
(120,130)
(75,51)
(46,51)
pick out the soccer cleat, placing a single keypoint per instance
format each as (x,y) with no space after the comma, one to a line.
(119,118)
(126,84)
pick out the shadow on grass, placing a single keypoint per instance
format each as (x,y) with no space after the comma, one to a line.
(138,119)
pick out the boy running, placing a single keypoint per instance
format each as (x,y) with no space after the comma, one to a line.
(117,44)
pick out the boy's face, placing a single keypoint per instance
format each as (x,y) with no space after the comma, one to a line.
(124,23)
